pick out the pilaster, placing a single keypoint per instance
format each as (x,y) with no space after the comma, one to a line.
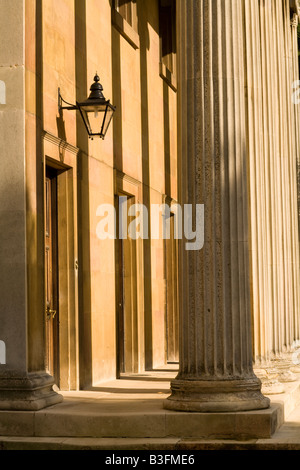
(23,386)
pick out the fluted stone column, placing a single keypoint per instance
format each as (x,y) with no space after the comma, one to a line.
(288,136)
(216,371)
(296,172)
(271,67)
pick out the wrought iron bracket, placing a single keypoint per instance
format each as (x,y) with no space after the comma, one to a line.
(70,107)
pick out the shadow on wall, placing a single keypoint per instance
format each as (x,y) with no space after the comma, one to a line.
(118,151)
(146,16)
(13,265)
(84,262)
(144,46)
(35,217)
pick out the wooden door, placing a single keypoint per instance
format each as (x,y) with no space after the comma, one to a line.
(172,320)
(51,275)
(126,299)
(120,300)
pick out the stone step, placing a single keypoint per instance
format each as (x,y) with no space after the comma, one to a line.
(126,412)
(168,444)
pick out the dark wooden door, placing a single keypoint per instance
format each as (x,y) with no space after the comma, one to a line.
(172,320)
(120,301)
(51,274)
(126,287)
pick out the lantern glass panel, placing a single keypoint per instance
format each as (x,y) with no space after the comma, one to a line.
(107,120)
(93,117)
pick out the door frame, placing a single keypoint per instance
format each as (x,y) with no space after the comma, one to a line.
(63,160)
(127,186)
(171,296)
(52,321)
(126,298)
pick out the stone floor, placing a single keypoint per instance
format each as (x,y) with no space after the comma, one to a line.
(128,414)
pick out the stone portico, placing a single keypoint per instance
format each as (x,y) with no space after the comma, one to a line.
(211,122)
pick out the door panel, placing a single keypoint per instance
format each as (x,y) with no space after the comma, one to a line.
(51,288)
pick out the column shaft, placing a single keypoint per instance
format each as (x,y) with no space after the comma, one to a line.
(216,346)
(273,144)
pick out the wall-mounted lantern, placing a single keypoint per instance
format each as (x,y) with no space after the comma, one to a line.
(96,111)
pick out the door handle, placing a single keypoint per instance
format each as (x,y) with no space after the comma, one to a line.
(50,314)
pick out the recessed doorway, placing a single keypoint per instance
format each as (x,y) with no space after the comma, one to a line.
(51,275)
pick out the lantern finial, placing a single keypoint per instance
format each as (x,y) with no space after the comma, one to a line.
(96,89)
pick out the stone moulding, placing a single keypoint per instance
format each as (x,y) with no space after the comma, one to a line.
(62,144)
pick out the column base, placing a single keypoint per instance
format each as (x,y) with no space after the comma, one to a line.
(269,382)
(272,387)
(28,392)
(214,396)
